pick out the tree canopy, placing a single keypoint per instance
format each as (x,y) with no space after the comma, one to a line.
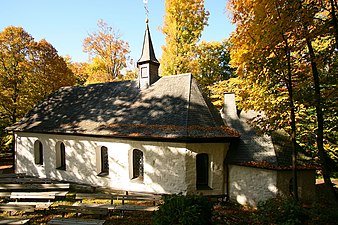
(284,52)
(109,53)
(29,71)
(212,62)
(184,22)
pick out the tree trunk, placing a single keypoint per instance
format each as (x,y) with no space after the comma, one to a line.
(293,121)
(334,22)
(320,123)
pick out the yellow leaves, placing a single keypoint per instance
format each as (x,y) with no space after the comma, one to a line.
(29,72)
(107,49)
(212,62)
(183,24)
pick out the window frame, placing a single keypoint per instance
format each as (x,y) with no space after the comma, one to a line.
(137,168)
(38,153)
(61,156)
(104,161)
(202,171)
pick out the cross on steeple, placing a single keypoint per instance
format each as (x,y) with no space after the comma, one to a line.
(147,10)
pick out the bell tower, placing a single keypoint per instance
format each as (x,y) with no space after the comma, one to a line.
(148,65)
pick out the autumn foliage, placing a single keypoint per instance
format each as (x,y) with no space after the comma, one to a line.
(184,22)
(285,54)
(29,72)
(109,54)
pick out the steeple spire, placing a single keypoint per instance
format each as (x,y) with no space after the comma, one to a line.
(148,64)
(148,53)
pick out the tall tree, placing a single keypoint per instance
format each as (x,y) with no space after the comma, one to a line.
(273,47)
(213,62)
(109,51)
(271,54)
(15,49)
(52,70)
(310,32)
(184,22)
(29,71)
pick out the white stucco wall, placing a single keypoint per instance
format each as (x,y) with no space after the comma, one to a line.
(306,182)
(216,153)
(168,167)
(248,185)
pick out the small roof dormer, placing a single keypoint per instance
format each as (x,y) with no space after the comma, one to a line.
(148,65)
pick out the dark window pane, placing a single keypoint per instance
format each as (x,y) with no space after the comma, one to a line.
(137,163)
(202,170)
(63,156)
(104,160)
(38,153)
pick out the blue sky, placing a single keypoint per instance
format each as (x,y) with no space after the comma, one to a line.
(65,23)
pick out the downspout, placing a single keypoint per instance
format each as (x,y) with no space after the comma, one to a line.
(226,182)
(14,152)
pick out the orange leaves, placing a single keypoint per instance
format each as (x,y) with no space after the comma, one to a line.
(29,71)
(108,50)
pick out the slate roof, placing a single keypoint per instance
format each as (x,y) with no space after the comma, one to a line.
(172,108)
(256,149)
(148,53)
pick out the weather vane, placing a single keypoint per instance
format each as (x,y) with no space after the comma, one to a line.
(146,8)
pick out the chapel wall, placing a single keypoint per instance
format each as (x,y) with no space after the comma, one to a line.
(306,180)
(164,162)
(216,153)
(248,185)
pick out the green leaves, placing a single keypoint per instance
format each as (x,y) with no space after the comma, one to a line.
(213,62)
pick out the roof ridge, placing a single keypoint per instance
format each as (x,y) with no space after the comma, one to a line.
(176,75)
(209,105)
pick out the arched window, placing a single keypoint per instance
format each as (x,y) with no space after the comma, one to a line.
(38,153)
(104,161)
(202,171)
(138,167)
(60,156)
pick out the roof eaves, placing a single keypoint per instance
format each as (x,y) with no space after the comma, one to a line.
(181,139)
